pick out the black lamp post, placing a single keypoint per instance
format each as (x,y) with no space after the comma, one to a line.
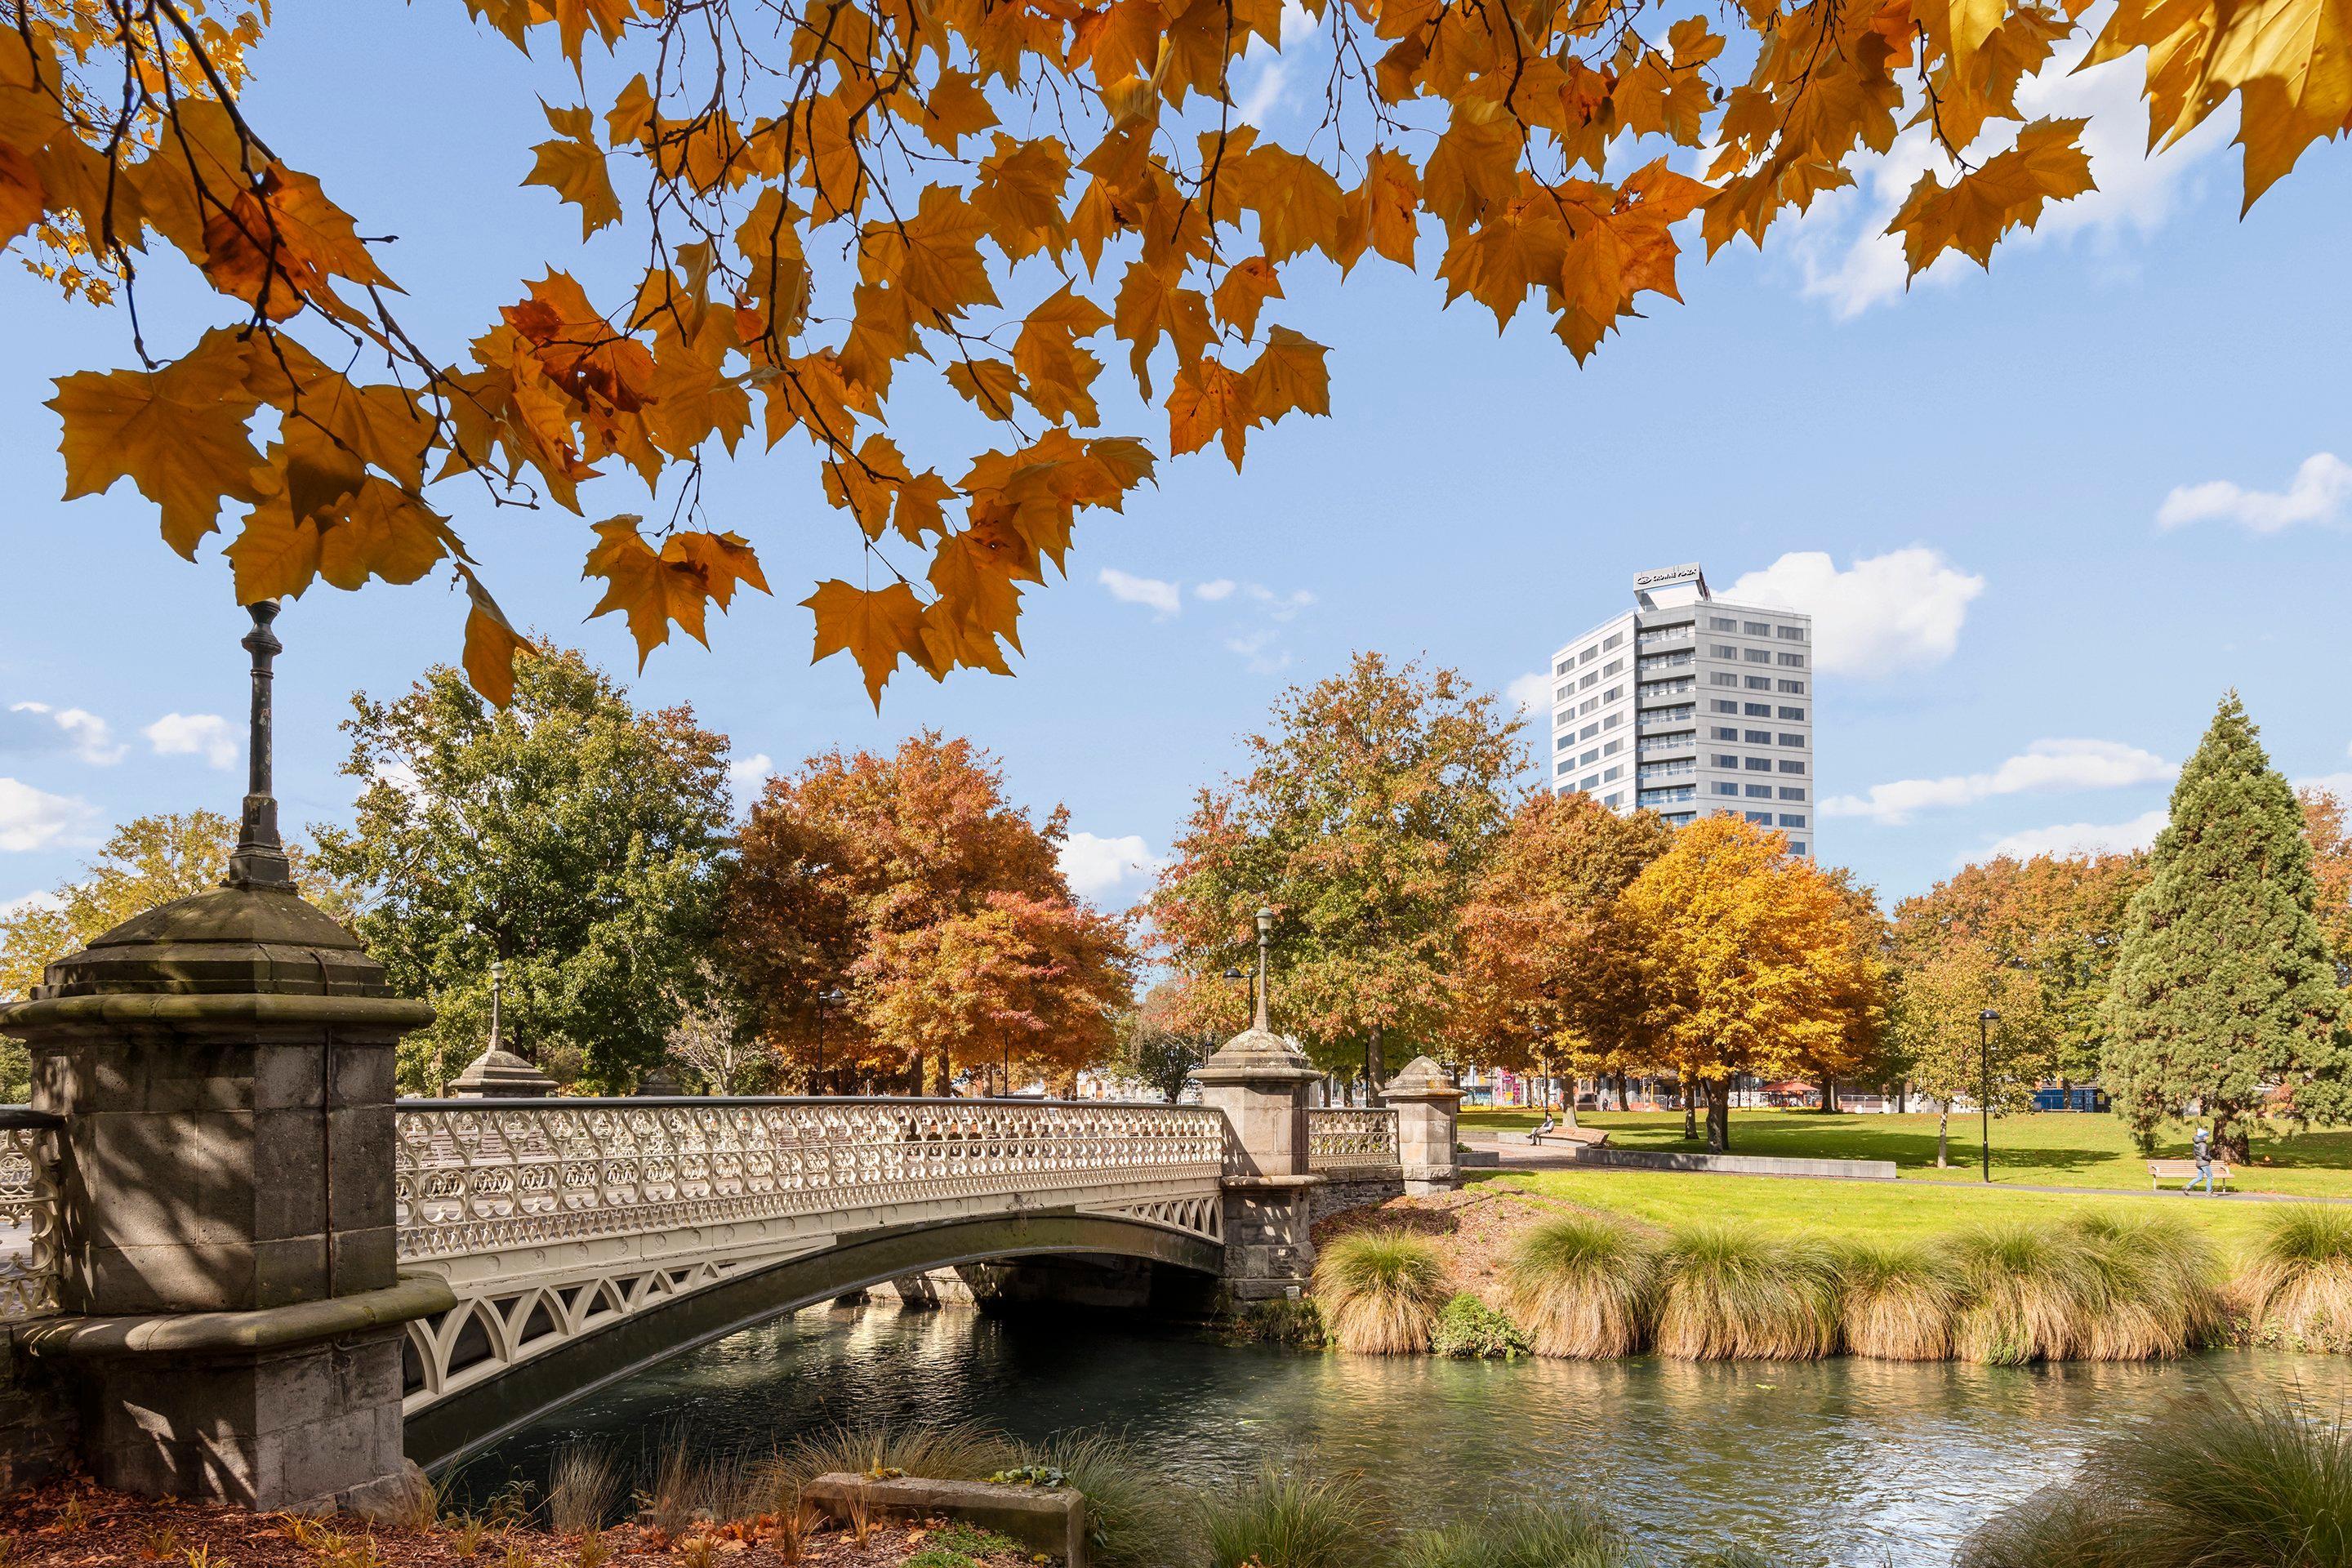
(825,1002)
(1985,1021)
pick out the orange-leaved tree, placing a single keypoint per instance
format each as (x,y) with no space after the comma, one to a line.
(912,886)
(1550,968)
(2323,823)
(832,194)
(1750,960)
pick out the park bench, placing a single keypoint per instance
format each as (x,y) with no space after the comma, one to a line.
(1589,1137)
(2162,1171)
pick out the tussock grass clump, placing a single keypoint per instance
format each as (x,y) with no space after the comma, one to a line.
(1380,1292)
(1726,1293)
(1285,1517)
(2296,1288)
(2153,1297)
(1901,1300)
(1135,1519)
(1523,1535)
(1582,1288)
(582,1487)
(2032,1292)
(945,1453)
(2213,1483)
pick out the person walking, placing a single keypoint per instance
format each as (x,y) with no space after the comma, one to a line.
(2203,1145)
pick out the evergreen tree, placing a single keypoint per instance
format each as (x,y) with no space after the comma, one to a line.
(2225,986)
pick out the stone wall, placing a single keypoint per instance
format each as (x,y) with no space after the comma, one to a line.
(1368,1187)
(37,1424)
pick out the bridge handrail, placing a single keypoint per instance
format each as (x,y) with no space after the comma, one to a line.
(28,1215)
(477,1175)
(1351,1137)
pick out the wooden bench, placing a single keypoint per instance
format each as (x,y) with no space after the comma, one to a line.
(2162,1171)
(1589,1137)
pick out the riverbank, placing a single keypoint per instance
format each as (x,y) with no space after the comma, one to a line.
(77,1525)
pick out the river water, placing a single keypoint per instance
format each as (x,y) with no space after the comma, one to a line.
(1838,1462)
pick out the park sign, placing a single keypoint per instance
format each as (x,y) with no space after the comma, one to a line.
(1667,577)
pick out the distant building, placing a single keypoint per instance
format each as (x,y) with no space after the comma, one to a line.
(1686,704)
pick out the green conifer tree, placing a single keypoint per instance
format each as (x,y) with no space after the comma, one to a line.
(2223,986)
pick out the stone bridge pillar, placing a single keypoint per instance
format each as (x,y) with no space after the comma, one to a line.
(1427,1106)
(1260,1082)
(224,1066)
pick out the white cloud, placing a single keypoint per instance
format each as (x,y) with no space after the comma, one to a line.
(1164,598)
(1096,865)
(86,734)
(34,900)
(749,772)
(1258,648)
(35,819)
(2338,784)
(2043,767)
(2317,493)
(1281,607)
(207,735)
(1848,259)
(1529,693)
(1883,613)
(2080,837)
(1266,92)
(1222,588)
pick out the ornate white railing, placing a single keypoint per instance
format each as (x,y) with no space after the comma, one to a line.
(479,1177)
(28,1217)
(1341,1138)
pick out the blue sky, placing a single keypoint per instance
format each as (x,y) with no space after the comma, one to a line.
(2043,516)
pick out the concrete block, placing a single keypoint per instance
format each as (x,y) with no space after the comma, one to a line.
(1051,1520)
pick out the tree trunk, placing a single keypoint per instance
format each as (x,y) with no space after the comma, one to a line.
(1690,1108)
(1829,1095)
(1622,1101)
(2228,1139)
(1373,1065)
(1944,1136)
(1903,1096)
(1718,1117)
(1569,1115)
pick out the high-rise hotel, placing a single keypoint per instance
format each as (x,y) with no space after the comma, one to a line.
(1686,704)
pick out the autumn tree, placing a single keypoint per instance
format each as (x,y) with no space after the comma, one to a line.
(713,1042)
(1948,1048)
(2225,986)
(1157,1044)
(2325,828)
(1861,1052)
(1749,957)
(912,885)
(836,200)
(1372,800)
(1550,965)
(571,835)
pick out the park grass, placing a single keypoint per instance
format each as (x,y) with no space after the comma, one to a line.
(1380,1291)
(1580,1287)
(2059,1149)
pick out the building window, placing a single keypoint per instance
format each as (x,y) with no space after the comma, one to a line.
(1793,819)
(1722,677)
(1613,693)
(1788,793)
(1565,764)
(1757,656)
(1723,733)
(1761,764)
(1613,774)
(1791,661)
(1589,705)
(1614,800)
(1721,760)
(1760,737)
(1789,766)
(1717,705)
(1612,667)
(1789,634)
(1796,848)
(1681,818)
(1613,720)
(1759,683)
(1611,640)
(1760,792)
(1721,624)
(1587,732)
(1757,628)
(1588,782)
(1563,741)
(1788,739)
(1591,678)
(1721,650)
(1587,656)
(1589,758)
(1725,786)
(1613,748)
(1760,710)
(1794,715)
(1765,817)
(1792,688)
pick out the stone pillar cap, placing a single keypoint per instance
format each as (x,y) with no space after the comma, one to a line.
(501,1074)
(1421,1079)
(1256,1056)
(243,940)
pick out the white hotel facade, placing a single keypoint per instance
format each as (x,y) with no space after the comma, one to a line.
(1685,704)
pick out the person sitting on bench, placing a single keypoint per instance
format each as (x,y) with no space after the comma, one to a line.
(1545,1125)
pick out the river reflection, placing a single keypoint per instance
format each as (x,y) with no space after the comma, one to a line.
(1833,1462)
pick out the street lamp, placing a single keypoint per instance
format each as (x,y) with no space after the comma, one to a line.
(825,1000)
(1265,940)
(1985,1021)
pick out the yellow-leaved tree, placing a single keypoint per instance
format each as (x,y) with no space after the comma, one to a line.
(833,194)
(1751,960)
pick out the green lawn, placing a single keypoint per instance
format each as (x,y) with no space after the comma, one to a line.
(2059,1149)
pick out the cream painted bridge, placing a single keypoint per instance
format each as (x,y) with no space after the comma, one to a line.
(583,1239)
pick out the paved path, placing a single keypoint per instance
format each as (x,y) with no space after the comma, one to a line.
(1521,1156)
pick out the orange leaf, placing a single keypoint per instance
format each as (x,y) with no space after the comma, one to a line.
(875,625)
(179,434)
(572,166)
(491,642)
(1209,402)
(1289,374)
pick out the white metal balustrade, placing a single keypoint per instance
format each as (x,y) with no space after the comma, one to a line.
(1345,1138)
(28,1217)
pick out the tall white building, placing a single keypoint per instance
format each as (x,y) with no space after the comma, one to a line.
(1686,704)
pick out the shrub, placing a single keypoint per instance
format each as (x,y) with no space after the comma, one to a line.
(2032,1292)
(1730,1294)
(1284,1518)
(2297,1287)
(1380,1291)
(1471,1330)
(2154,1295)
(1279,1322)
(1583,1287)
(2213,1483)
(582,1487)
(1135,1517)
(1551,1534)
(1901,1300)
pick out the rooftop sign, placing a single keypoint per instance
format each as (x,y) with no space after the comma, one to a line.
(1666,576)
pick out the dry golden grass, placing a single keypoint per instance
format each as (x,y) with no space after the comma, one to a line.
(1582,1289)
(2296,1288)
(1726,1293)
(2032,1292)
(2152,1288)
(1380,1291)
(1901,1300)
